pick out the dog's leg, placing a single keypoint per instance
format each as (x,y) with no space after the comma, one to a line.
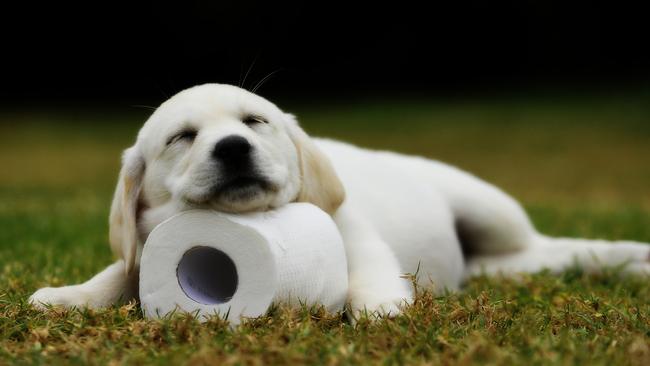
(376,283)
(558,254)
(106,288)
(498,237)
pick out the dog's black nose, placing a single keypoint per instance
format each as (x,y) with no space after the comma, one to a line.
(232,150)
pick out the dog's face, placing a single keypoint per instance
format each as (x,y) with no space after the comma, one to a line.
(218,147)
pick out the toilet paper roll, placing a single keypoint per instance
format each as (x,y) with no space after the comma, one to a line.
(216,263)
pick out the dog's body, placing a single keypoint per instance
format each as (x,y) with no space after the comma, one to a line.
(397,214)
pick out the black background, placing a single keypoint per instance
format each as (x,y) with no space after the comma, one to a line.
(146,51)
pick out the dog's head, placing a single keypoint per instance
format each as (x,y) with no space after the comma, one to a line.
(217,147)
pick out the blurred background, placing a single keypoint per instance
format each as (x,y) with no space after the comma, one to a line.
(550,100)
(136,52)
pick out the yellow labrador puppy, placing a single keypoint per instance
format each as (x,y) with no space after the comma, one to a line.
(223,148)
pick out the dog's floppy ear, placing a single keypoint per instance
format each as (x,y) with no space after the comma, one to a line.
(123,233)
(320,185)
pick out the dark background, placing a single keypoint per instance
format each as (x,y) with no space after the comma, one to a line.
(142,52)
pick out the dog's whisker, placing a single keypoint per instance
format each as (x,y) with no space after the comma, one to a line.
(266,78)
(243,83)
(144,107)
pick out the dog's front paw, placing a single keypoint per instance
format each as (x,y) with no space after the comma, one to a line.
(67,296)
(379,298)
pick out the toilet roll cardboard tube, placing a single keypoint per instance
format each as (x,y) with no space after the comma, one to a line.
(207,275)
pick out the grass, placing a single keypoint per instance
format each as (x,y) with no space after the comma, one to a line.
(580,166)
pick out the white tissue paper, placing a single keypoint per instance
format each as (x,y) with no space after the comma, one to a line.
(238,265)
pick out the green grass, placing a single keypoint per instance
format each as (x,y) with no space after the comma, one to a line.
(580,166)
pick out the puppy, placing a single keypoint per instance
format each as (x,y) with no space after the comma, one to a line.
(223,148)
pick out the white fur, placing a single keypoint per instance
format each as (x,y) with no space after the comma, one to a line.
(401,214)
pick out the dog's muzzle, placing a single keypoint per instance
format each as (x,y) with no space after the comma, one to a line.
(238,175)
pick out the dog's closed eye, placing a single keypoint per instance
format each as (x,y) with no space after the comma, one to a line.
(252,119)
(187,135)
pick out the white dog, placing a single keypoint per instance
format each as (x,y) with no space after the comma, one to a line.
(224,148)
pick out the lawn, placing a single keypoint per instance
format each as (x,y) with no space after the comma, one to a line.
(580,166)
